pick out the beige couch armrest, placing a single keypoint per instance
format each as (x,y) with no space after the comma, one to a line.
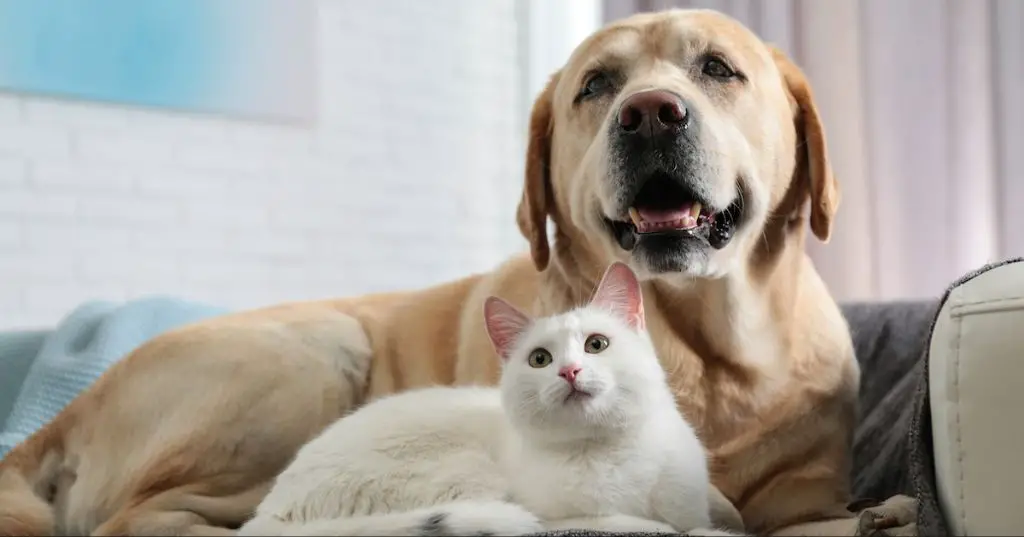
(976,382)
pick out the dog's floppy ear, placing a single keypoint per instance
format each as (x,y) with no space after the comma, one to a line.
(813,168)
(532,215)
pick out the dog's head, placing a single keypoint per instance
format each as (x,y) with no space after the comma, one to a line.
(667,141)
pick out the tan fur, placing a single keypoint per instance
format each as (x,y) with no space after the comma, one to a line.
(185,434)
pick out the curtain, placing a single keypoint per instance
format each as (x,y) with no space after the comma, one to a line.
(923,104)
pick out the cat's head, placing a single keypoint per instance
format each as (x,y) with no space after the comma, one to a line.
(581,373)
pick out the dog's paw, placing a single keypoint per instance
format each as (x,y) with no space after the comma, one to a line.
(895,517)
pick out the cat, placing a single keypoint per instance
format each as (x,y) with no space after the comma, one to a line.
(582,432)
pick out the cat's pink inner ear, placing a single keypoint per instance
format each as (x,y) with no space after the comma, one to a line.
(504,324)
(619,292)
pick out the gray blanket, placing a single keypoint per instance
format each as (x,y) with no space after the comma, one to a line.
(892,445)
(891,343)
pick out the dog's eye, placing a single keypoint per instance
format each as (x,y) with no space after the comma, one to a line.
(595,84)
(716,68)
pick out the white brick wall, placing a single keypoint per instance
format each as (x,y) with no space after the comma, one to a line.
(410,175)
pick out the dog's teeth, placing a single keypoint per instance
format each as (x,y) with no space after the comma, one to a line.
(688,221)
(634,215)
(695,210)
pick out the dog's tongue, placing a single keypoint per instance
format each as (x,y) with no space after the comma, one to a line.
(657,216)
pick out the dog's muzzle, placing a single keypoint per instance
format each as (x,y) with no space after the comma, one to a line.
(661,186)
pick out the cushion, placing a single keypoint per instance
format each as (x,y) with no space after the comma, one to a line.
(976,368)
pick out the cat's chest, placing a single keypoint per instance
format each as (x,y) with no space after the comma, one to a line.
(557,486)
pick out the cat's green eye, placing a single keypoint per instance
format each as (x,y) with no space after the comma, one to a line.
(595,344)
(539,358)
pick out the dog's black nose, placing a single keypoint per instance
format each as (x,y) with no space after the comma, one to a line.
(652,112)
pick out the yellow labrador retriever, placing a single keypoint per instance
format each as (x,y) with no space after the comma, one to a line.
(676,142)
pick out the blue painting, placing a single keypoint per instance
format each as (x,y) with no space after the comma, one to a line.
(236,57)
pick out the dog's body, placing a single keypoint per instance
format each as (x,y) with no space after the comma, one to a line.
(186,434)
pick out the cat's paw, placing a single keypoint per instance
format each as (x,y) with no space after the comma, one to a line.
(480,518)
(712,532)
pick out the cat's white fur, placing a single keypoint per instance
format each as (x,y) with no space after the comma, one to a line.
(524,457)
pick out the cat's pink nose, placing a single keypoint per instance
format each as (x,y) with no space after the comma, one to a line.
(569,372)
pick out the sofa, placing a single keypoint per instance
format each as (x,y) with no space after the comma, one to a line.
(940,385)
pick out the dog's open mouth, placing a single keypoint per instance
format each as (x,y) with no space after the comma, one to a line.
(657,208)
(664,206)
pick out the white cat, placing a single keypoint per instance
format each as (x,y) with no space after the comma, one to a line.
(583,432)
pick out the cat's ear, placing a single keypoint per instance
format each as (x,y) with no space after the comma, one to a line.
(504,324)
(619,292)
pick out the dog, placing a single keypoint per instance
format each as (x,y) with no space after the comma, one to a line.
(677,142)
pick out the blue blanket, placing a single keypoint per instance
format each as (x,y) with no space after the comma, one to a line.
(84,345)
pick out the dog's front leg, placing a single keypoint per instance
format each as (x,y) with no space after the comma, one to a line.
(896,517)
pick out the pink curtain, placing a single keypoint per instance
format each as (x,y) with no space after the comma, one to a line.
(923,102)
